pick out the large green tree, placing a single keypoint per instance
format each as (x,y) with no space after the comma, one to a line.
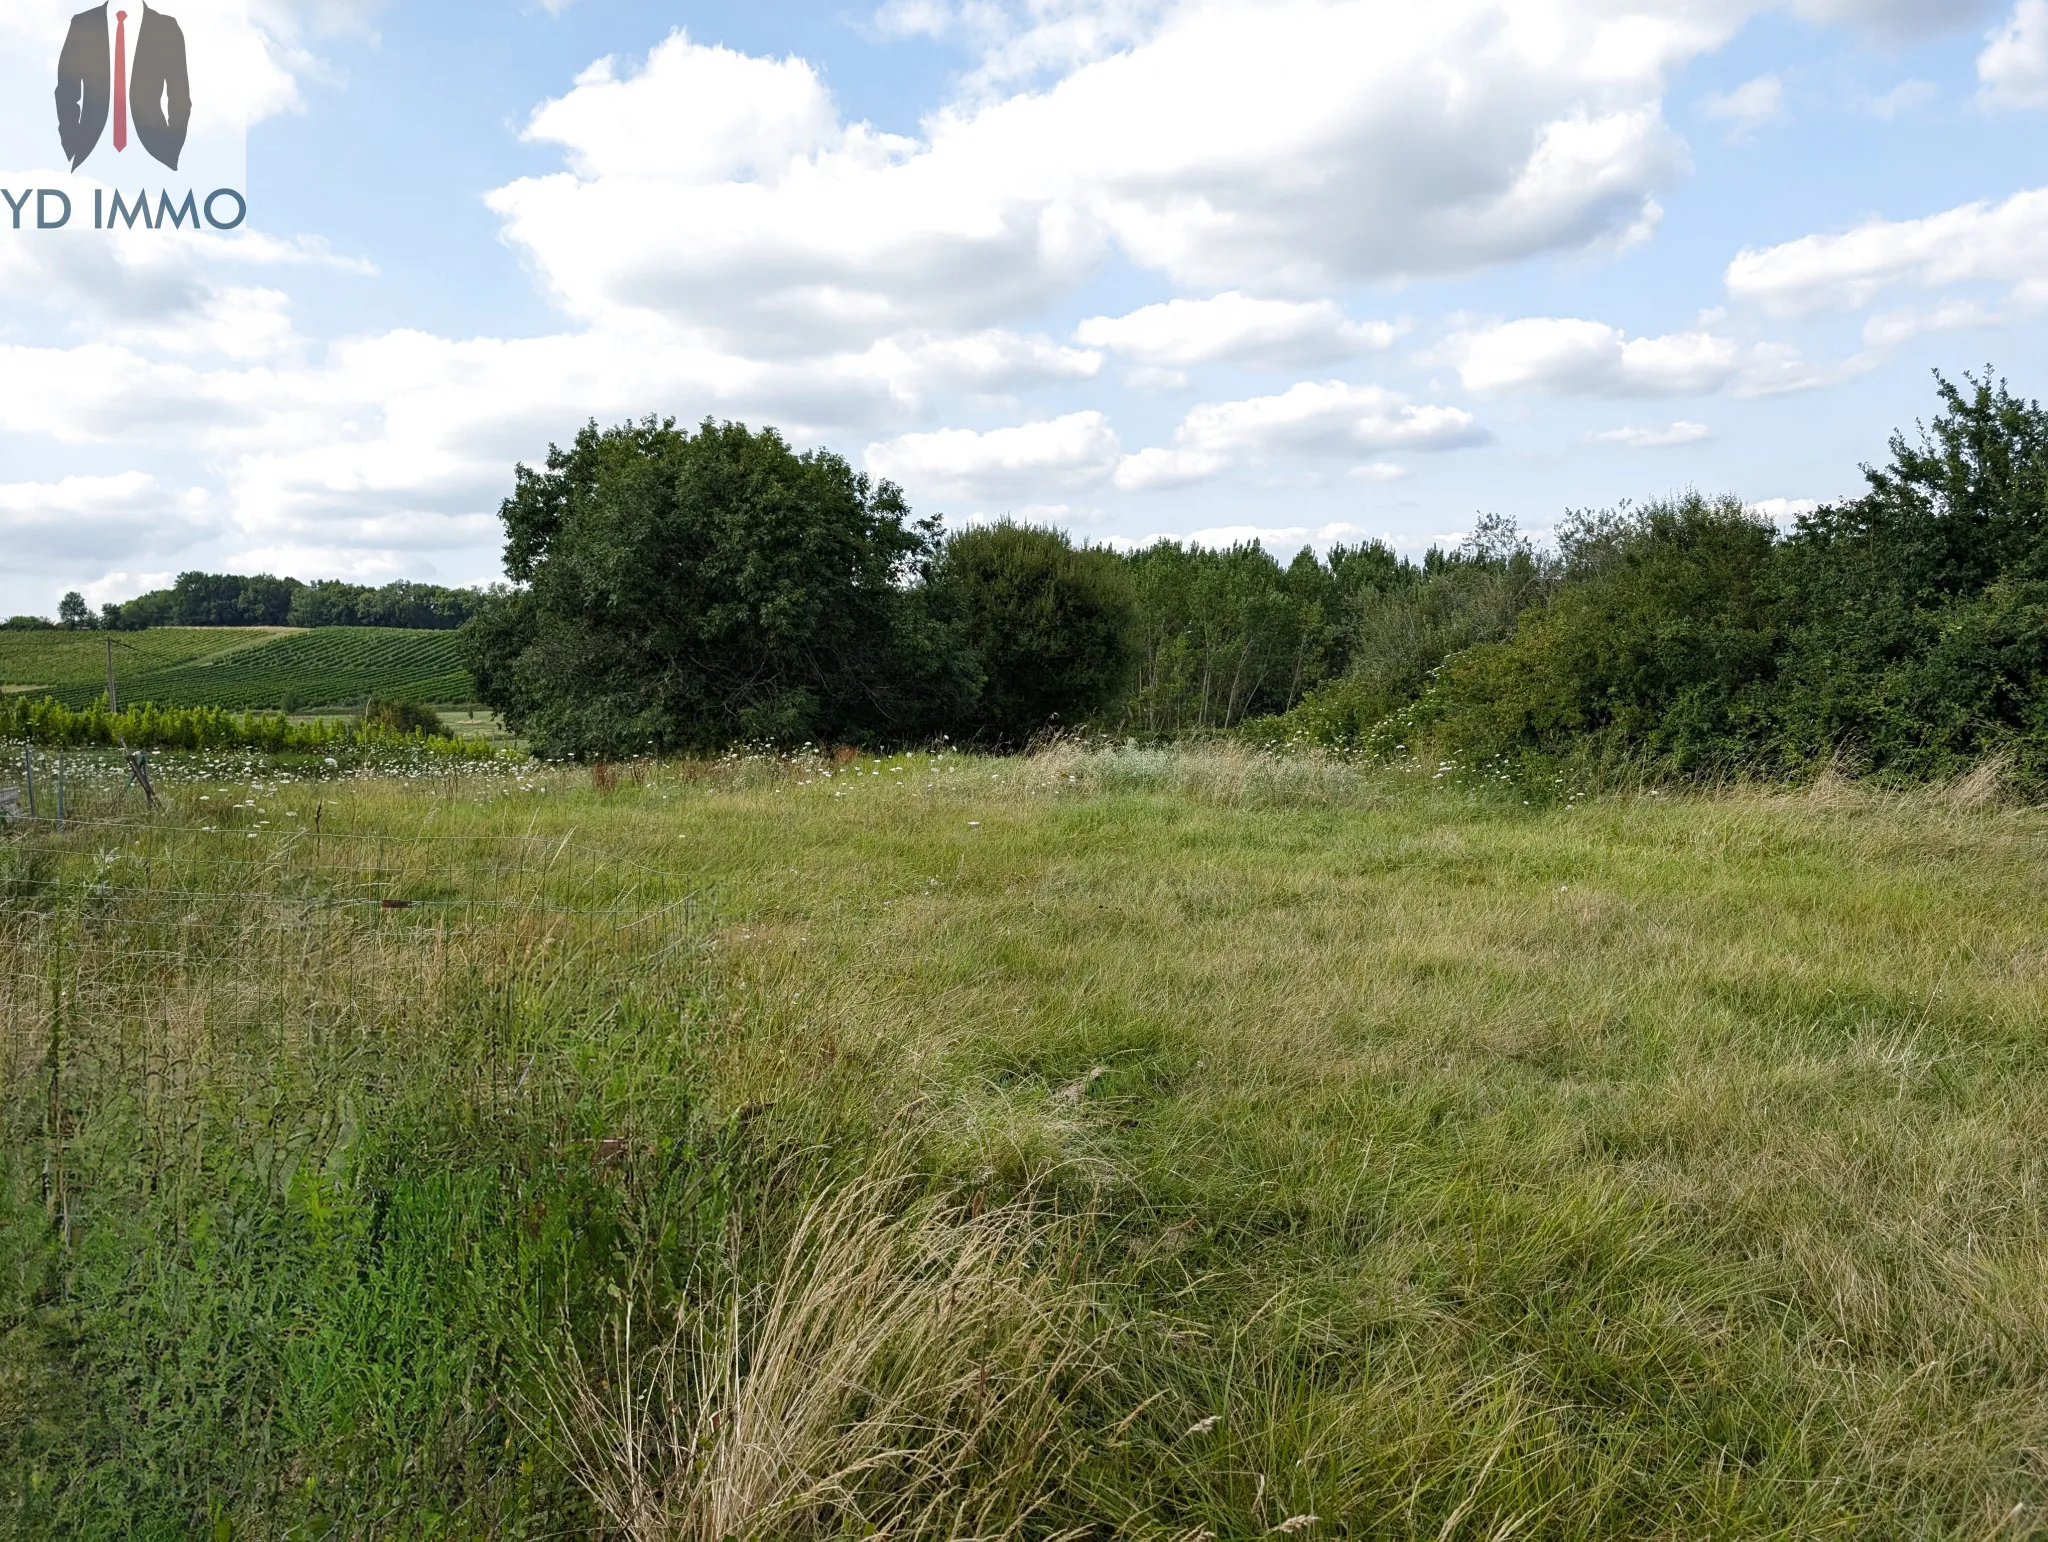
(681,590)
(1051,629)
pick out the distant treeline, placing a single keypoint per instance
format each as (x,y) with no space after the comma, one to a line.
(683,591)
(674,590)
(230,599)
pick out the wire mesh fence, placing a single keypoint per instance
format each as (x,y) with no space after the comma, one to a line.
(139,952)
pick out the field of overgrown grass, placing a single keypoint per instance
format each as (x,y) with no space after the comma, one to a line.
(1139,1144)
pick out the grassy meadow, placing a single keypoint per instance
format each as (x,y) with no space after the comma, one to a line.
(1167,1144)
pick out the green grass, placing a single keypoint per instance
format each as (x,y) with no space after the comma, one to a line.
(1148,1143)
(239,667)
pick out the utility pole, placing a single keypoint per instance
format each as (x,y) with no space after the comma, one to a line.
(113,702)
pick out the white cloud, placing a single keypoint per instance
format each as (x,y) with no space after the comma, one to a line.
(1071,453)
(1019,42)
(1891,328)
(289,32)
(990,360)
(1979,242)
(1315,418)
(1151,377)
(1782,511)
(1021,38)
(187,297)
(1311,418)
(1653,436)
(2013,68)
(1749,106)
(1325,418)
(1555,356)
(1568,356)
(61,525)
(401,443)
(1907,96)
(1294,145)
(1235,328)
(75,497)
(123,585)
(405,441)
(242,323)
(1777,369)
(1151,469)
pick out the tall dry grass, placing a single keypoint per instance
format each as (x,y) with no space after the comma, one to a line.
(904,1376)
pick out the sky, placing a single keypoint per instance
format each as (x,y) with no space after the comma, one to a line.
(1299,271)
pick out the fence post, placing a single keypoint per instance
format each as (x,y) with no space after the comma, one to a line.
(28,770)
(60,792)
(56,1198)
(138,772)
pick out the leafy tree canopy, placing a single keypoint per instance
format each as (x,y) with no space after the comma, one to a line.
(686,590)
(1051,630)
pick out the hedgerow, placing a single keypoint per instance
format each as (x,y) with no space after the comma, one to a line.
(43,720)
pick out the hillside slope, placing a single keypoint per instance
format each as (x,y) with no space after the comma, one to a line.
(238,667)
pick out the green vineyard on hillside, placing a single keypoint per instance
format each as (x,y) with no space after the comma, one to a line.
(239,668)
(59,660)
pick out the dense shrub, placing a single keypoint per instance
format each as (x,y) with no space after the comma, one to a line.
(1051,630)
(404,717)
(1881,597)
(1903,632)
(1658,632)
